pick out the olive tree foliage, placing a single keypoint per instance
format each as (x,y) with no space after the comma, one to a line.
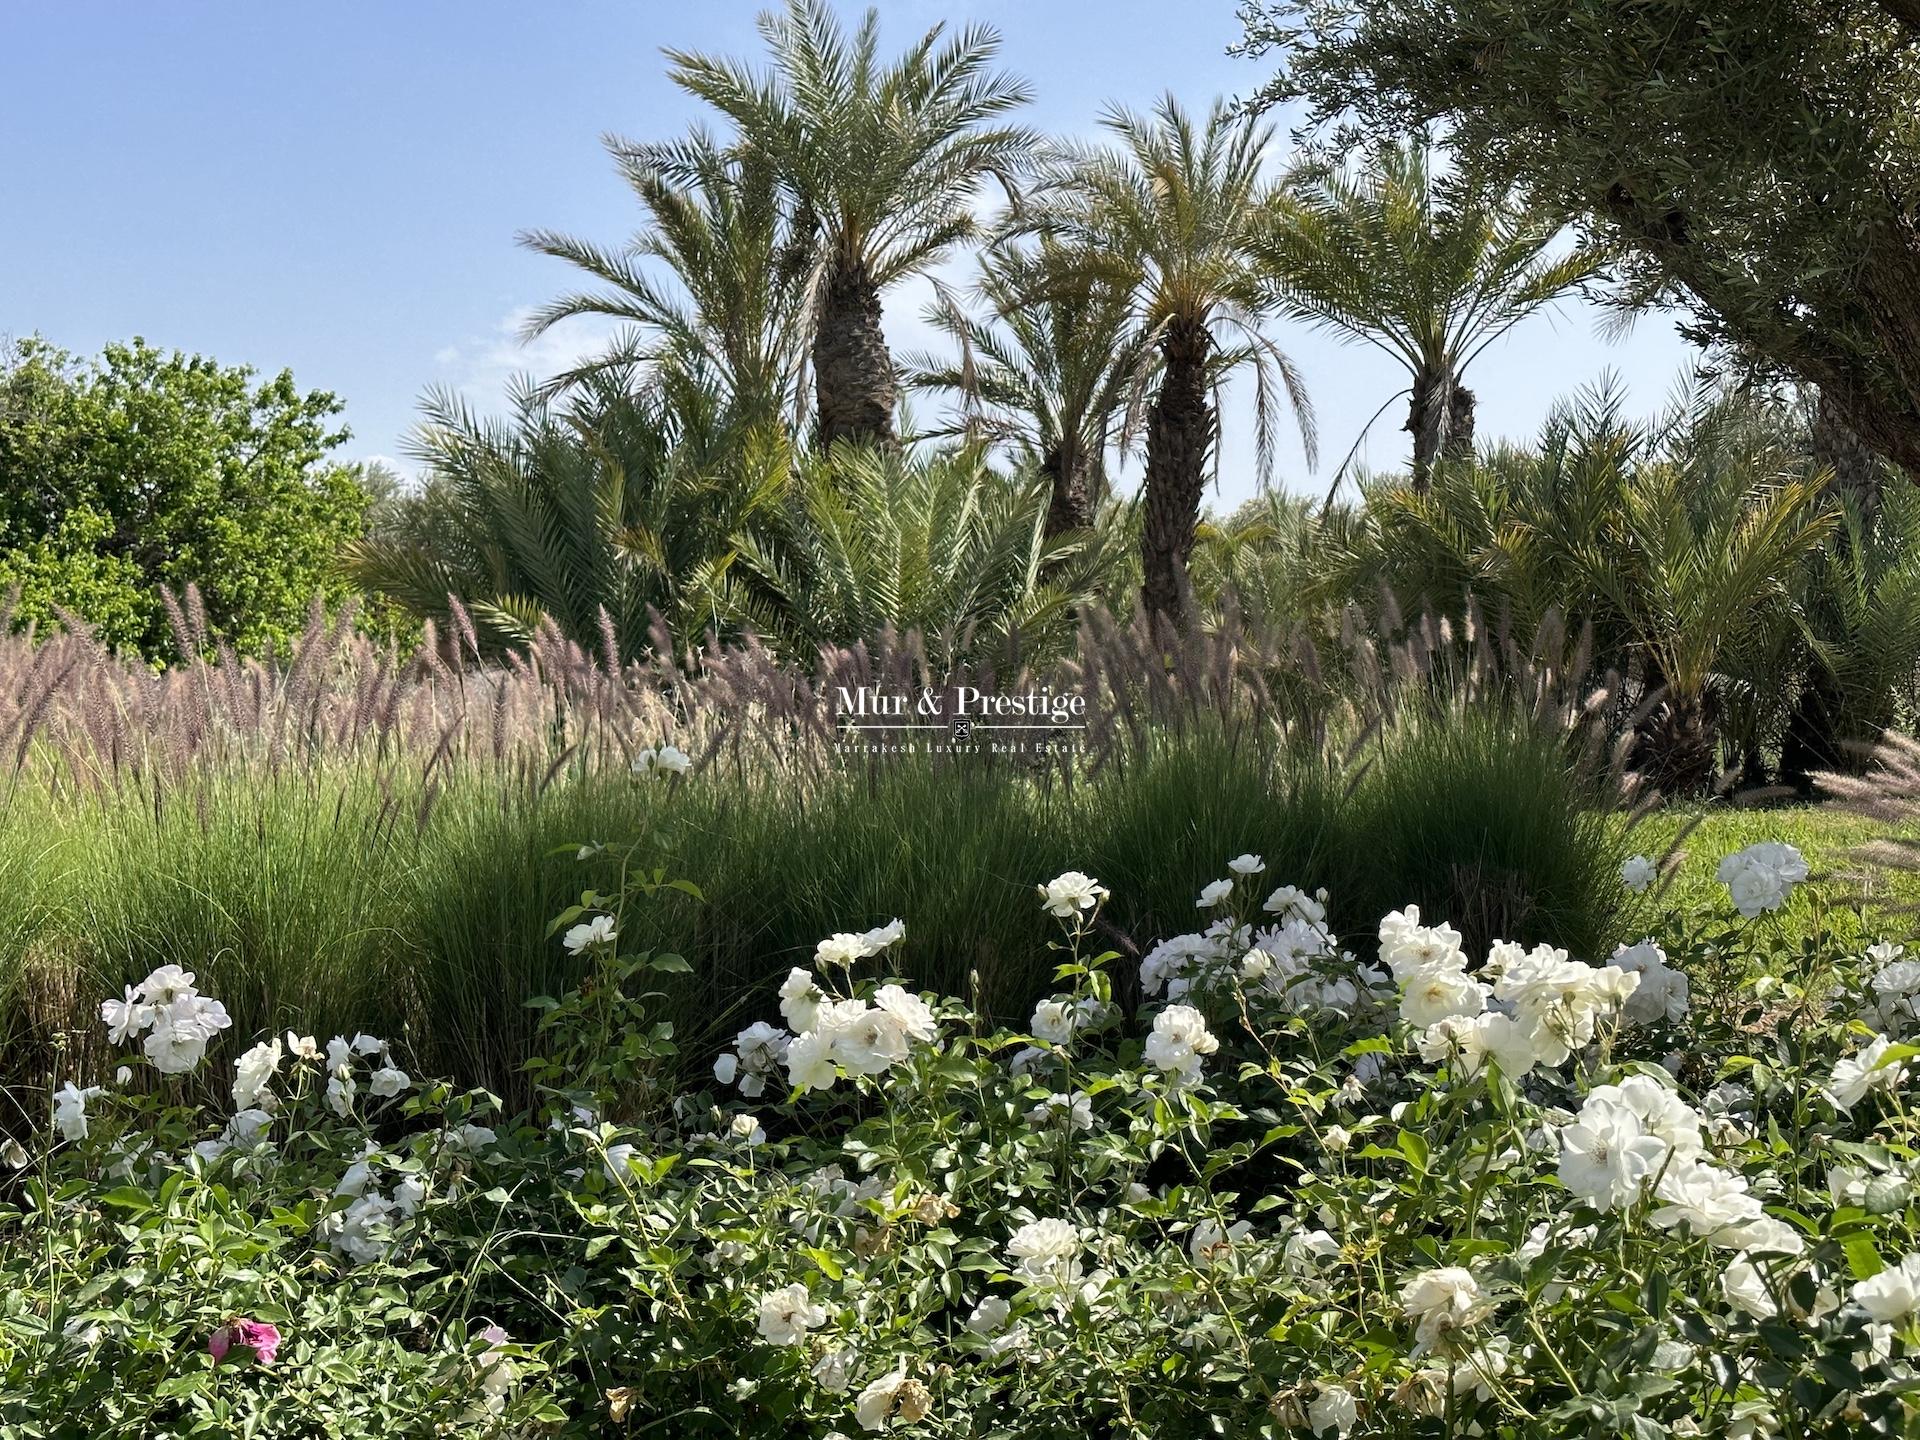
(144,471)
(1755,159)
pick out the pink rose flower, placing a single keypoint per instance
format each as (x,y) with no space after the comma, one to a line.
(254,1335)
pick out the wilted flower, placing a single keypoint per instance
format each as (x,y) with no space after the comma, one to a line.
(1211,1242)
(877,1401)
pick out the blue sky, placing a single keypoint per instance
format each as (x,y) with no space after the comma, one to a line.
(337,187)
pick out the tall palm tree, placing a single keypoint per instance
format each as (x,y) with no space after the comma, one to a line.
(1431,268)
(1047,372)
(882,162)
(728,304)
(1171,212)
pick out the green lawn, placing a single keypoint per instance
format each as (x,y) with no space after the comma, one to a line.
(1825,836)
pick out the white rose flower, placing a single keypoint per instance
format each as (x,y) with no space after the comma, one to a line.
(1762,877)
(1054,1021)
(800,1001)
(1212,1243)
(672,760)
(1439,992)
(910,1012)
(1246,865)
(1441,1302)
(1638,873)
(70,1109)
(1746,1289)
(616,1162)
(1070,894)
(254,1072)
(787,1314)
(1180,1038)
(1216,893)
(809,1061)
(125,1018)
(1606,1155)
(1333,1409)
(989,1315)
(1893,1296)
(589,933)
(1857,1075)
(388,1081)
(833,1371)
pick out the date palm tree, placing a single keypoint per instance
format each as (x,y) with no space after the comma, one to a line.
(711,285)
(1431,268)
(882,162)
(1171,211)
(625,495)
(1046,372)
(941,544)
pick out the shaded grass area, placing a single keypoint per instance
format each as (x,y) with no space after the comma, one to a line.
(336,899)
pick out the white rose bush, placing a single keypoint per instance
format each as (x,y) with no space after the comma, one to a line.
(1258,1179)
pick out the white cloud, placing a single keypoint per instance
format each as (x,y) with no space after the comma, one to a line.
(483,369)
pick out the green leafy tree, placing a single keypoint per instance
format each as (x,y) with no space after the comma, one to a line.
(1755,160)
(141,470)
(881,160)
(1430,267)
(1047,372)
(1171,213)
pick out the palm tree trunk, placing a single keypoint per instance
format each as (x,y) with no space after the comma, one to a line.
(852,370)
(1857,472)
(1440,418)
(1179,430)
(1071,508)
(1458,444)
